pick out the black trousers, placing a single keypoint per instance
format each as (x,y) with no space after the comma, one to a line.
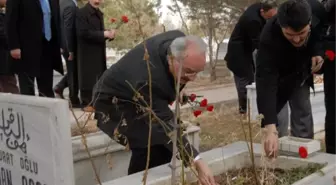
(86,97)
(159,155)
(44,80)
(329,98)
(241,84)
(70,79)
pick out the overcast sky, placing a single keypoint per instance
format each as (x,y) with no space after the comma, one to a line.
(166,13)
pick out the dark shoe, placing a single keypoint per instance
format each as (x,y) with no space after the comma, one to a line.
(58,92)
(78,106)
(242,111)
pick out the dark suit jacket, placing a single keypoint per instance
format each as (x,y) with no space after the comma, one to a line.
(5,67)
(281,68)
(24,23)
(68,10)
(117,83)
(243,41)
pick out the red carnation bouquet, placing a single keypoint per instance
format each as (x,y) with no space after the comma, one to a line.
(198,106)
(119,22)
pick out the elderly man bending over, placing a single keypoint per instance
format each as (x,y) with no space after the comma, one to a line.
(122,93)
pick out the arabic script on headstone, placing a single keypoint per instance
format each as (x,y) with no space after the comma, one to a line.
(12,130)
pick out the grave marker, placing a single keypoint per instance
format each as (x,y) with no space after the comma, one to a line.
(35,141)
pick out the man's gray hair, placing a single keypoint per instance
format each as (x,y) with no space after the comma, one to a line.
(179,45)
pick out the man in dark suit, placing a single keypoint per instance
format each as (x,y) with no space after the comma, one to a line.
(7,77)
(121,112)
(243,41)
(69,49)
(33,32)
(329,80)
(91,37)
(289,52)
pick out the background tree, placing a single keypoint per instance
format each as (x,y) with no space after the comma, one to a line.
(128,35)
(168,23)
(195,28)
(213,19)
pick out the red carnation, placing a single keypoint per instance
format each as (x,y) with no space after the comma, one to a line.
(303,152)
(197,113)
(124,19)
(113,20)
(204,103)
(330,54)
(210,108)
(171,103)
(192,97)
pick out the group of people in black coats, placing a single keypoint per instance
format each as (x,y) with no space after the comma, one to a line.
(290,41)
(35,34)
(289,49)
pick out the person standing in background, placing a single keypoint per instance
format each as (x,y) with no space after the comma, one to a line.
(91,37)
(68,10)
(33,30)
(7,77)
(243,41)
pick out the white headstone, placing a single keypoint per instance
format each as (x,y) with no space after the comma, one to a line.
(35,141)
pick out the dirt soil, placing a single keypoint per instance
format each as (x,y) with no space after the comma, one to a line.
(223,126)
(245,176)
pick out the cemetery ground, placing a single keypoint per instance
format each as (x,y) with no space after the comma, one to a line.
(225,126)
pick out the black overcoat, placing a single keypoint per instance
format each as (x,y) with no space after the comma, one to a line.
(91,46)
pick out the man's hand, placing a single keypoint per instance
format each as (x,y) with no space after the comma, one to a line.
(271,144)
(317,63)
(109,34)
(16,53)
(205,176)
(113,33)
(181,99)
(71,56)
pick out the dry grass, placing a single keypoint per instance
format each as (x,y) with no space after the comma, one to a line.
(221,127)
(244,176)
(89,127)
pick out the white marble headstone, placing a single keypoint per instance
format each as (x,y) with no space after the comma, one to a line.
(35,141)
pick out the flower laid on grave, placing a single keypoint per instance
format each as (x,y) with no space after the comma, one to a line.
(119,22)
(303,152)
(198,106)
(330,55)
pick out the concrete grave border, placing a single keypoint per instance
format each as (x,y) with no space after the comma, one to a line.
(103,149)
(220,159)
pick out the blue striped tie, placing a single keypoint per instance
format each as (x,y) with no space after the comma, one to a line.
(46,18)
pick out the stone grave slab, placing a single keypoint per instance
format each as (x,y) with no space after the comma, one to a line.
(291,145)
(35,141)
